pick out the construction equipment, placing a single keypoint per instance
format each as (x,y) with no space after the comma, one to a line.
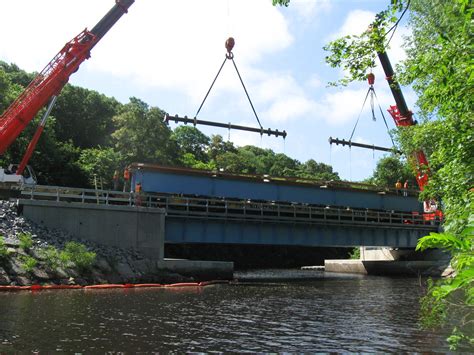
(402,117)
(229,45)
(47,85)
(350,143)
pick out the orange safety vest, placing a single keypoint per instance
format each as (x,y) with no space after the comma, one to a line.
(126,174)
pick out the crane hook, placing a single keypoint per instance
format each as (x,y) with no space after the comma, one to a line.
(371,79)
(229,45)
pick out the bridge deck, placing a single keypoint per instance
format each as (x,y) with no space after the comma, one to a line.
(206,220)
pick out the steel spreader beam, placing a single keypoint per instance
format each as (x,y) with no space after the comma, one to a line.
(343,142)
(195,122)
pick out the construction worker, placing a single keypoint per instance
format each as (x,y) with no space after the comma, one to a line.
(116,179)
(398,186)
(138,191)
(405,188)
(126,178)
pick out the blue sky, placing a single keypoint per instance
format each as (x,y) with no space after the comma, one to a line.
(167,52)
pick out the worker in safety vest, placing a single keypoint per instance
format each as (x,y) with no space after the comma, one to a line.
(398,186)
(126,178)
(138,191)
(405,188)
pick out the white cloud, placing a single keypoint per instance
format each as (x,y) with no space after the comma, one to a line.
(289,108)
(341,107)
(176,45)
(37,30)
(359,139)
(396,51)
(188,59)
(309,9)
(314,82)
(357,21)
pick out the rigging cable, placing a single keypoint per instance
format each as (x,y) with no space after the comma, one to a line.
(395,25)
(229,44)
(384,120)
(365,100)
(246,93)
(208,91)
(350,162)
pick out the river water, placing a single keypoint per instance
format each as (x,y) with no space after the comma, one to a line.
(271,311)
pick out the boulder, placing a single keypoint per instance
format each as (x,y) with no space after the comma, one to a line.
(4,279)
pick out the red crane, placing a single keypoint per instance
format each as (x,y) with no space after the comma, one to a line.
(49,83)
(403,117)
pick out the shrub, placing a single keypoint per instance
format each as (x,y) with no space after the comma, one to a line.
(3,249)
(52,257)
(28,263)
(26,241)
(355,253)
(77,253)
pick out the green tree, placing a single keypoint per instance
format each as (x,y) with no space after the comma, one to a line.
(391,168)
(100,164)
(192,140)
(141,135)
(218,146)
(8,89)
(190,161)
(283,165)
(319,171)
(241,162)
(17,76)
(84,117)
(54,161)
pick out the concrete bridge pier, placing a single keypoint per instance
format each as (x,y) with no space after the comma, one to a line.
(393,261)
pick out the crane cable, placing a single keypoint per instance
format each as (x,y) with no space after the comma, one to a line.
(395,26)
(208,91)
(371,91)
(229,44)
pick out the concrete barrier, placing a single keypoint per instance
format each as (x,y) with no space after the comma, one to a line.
(140,228)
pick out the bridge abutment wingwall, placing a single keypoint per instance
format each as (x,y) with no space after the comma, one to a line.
(140,228)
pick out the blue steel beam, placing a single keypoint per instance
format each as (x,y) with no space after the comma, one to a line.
(179,230)
(192,182)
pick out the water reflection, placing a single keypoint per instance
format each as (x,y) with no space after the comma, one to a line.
(328,313)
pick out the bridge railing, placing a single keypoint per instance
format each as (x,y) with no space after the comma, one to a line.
(278,212)
(237,210)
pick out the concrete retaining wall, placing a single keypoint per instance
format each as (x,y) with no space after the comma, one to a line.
(121,226)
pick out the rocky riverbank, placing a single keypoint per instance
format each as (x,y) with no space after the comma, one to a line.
(32,254)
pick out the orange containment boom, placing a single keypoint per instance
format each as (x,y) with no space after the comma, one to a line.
(112,286)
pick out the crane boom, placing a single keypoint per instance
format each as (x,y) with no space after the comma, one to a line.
(50,81)
(403,117)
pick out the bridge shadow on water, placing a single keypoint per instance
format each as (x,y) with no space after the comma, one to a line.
(257,256)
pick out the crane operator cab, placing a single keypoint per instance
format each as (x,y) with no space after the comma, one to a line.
(9,176)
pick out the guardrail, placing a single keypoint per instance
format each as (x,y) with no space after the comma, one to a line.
(236,210)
